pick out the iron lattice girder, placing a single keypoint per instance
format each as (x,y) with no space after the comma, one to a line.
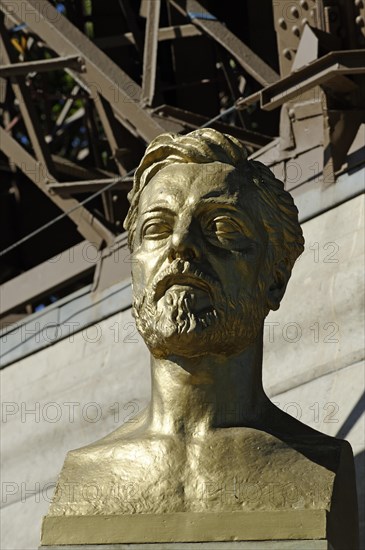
(104,80)
(319,72)
(193,121)
(86,223)
(150,52)
(76,172)
(174,32)
(47,277)
(26,105)
(251,62)
(71,62)
(101,73)
(90,186)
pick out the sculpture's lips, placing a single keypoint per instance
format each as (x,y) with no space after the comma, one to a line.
(181,279)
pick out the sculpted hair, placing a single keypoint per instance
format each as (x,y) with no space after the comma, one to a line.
(277,210)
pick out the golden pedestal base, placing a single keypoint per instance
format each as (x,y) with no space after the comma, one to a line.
(292,529)
(259,545)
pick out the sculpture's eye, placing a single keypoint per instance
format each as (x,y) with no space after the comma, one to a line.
(224,227)
(155,229)
(226,232)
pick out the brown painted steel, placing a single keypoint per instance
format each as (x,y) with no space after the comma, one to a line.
(46,277)
(72,61)
(100,71)
(150,53)
(86,223)
(251,62)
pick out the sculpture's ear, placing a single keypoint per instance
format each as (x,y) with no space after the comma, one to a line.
(280,276)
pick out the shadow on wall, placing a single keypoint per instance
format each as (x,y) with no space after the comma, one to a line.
(353,417)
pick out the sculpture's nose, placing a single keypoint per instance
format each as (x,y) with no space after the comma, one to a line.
(184,244)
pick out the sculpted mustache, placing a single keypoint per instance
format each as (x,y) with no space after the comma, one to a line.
(183,268)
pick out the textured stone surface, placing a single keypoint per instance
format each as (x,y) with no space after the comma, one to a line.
(21,521)
(319,326)
(69,385)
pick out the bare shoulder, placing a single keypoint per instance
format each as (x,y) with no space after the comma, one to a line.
(119,437)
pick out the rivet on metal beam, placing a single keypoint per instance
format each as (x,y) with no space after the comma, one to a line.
(82,67)
(282,23)
(294,11)
(287,53)
(295,30)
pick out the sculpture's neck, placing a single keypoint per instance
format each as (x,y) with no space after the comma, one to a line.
(191,396)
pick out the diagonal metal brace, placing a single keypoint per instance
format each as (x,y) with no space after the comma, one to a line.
(322,71)
(249,61)
(86,223)
(100,71)
(74,62)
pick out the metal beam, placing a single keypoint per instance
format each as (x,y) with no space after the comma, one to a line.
(43,170)
(192,121)
(251,62)
(72,62)
(86,223)
(100,71)
(67,106)
(244,102)
(132,24)
(109,124)
(320,72)
(75,171)
(111,129)
(90,186)
(165,33)
(47,277)
(26,105)
(150,53)
(324,70)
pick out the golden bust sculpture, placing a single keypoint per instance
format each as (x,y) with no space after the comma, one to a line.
(214,238)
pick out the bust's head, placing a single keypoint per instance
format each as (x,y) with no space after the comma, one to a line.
(214,237)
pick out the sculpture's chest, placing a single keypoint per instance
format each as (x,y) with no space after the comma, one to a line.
(228,470)
(223,472)
(253,472)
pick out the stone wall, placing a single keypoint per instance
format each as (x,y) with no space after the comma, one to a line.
(84,386)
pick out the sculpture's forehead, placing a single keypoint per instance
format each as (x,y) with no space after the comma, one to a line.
(193,181)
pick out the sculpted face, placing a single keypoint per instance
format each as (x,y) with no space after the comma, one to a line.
(198,262)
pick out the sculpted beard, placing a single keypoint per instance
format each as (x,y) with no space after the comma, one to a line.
(172,325)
